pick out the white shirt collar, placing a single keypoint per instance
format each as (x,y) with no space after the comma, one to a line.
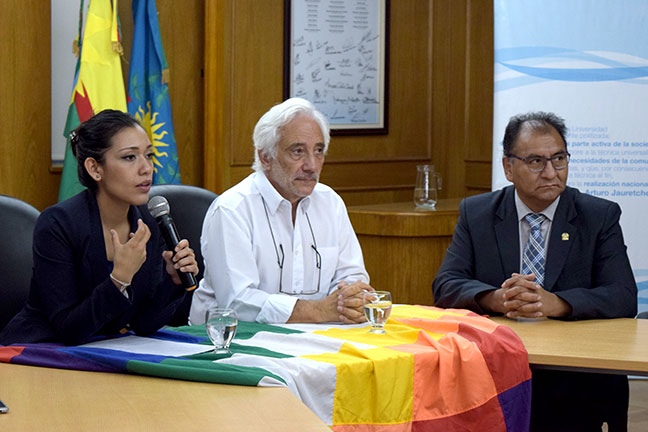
(523,209)
(272,196)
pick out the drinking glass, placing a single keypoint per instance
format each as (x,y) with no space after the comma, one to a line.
(377,307)
(428,183)
(221,327)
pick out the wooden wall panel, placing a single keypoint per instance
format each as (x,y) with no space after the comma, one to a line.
(183,30)
(257,64)
(25,103)
(440,74)
(440,106)
(448,93)
(478,177)
(250,82)
(462,94)
(405,266)
(479,97)
(479,81)
(218,30)
(409,137)
(403,248)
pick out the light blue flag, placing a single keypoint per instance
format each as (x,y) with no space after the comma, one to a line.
(148,92)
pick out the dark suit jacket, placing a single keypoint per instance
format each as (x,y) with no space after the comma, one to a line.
(72,297)
(588,267)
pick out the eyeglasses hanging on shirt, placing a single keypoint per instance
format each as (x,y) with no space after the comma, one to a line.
(280,259)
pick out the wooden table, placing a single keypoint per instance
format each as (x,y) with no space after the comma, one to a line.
(403,247)
(64,400)
(617,346)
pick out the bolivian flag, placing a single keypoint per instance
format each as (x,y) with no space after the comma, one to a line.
(98,80)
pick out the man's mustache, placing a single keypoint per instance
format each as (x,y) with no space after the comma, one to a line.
(313,177)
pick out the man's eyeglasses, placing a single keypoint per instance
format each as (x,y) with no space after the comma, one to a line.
(280,260)
(538,163)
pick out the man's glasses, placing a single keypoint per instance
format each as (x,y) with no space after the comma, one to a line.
(280,260)
(538,163)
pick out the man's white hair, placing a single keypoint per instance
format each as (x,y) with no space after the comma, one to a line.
(267,130)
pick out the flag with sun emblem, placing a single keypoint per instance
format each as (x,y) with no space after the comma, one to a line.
(98,81)
(148,92)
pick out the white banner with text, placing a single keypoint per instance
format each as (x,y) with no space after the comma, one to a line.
(587,62)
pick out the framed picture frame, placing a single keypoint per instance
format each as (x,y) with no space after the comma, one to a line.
(336,55)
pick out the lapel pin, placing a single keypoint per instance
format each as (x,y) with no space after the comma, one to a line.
(565,236)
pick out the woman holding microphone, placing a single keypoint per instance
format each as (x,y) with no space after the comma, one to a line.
(100,263)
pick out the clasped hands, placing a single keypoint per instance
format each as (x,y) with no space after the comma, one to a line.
(128,257)
(342,305)
(521,297)
(349,301)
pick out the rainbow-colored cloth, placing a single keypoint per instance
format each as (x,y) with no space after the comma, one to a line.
(434,369)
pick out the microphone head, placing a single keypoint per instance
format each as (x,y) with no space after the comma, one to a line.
(158,206)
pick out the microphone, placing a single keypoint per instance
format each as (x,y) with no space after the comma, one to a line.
(158,206)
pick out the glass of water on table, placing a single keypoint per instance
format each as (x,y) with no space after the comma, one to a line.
(377,307)
(221,327)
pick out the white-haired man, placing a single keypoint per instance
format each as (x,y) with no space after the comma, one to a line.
(279,246)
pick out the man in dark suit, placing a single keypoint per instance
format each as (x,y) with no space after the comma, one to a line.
(541,249)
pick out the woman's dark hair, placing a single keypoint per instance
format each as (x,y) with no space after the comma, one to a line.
(93,138)
(541,122)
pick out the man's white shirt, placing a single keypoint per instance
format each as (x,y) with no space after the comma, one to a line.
(241,268)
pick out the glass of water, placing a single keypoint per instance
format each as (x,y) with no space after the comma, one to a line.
(377,307)
(428,183)
(221,327)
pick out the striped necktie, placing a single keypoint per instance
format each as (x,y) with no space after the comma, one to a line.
(533,260)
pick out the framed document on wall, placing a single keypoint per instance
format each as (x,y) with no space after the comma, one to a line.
(336,56)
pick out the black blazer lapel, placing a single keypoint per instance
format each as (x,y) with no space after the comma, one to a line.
(507,234)
(95,260)
(561,238)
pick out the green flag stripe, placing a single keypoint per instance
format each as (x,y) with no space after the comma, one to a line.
(244,330)
(202,371)
(70,185)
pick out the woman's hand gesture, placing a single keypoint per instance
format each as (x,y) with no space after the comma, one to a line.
(129,257)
